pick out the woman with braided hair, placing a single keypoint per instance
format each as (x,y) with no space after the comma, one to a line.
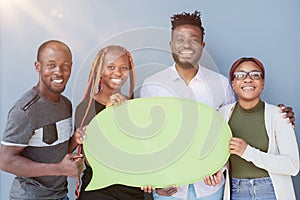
(111,69)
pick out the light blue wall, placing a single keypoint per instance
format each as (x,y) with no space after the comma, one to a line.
(268,30)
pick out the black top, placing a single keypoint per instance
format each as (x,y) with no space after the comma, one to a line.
(95,108)
(113,192)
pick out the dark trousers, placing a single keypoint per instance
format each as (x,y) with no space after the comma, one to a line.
(113,192)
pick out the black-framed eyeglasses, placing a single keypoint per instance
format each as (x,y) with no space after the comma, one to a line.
(254,75)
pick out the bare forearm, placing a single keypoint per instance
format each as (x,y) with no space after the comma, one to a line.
(77,138)
(72,144)
(21,166)
(12,161)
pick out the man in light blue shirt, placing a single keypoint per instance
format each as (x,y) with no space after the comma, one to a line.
(187,79)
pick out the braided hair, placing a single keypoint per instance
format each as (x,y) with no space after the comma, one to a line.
(95,79)
(94,83)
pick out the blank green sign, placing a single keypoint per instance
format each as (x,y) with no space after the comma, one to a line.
(157,141)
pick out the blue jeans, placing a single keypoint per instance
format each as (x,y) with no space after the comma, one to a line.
(192,195)
(252,189)
(64,198)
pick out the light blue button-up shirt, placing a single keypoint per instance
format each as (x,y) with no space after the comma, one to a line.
(208,87)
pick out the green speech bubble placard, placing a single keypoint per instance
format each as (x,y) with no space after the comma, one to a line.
(158,141)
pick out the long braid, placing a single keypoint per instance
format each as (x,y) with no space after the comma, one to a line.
(93,79)
(92,84)
(91,87)
(131,75)
(92,76)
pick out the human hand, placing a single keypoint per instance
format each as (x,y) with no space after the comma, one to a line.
(148,188)
(214,179)
(71,165)
(79,134)
(167,191)
(116,99)
(237,146)
(288,114)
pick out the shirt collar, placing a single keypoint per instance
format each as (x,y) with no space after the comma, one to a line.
(177,76)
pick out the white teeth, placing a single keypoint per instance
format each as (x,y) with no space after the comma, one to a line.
(116,81)
(58,81)
(248,88)
(186,52)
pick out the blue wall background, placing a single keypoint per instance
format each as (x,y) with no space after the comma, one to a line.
(268,30)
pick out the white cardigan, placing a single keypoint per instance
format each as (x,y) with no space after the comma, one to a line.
(282,159)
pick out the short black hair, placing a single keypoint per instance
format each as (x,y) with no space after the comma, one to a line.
(187,19)
(45,44)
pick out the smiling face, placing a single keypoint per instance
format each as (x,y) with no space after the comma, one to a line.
(187,45)
(54,67)
(116,70)
(248,90)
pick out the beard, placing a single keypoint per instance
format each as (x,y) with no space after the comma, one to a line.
(184,65)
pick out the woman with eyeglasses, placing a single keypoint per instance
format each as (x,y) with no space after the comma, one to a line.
(264,150)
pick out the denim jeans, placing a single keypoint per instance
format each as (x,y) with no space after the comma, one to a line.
(192,195)
(252,189)
(64,198)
